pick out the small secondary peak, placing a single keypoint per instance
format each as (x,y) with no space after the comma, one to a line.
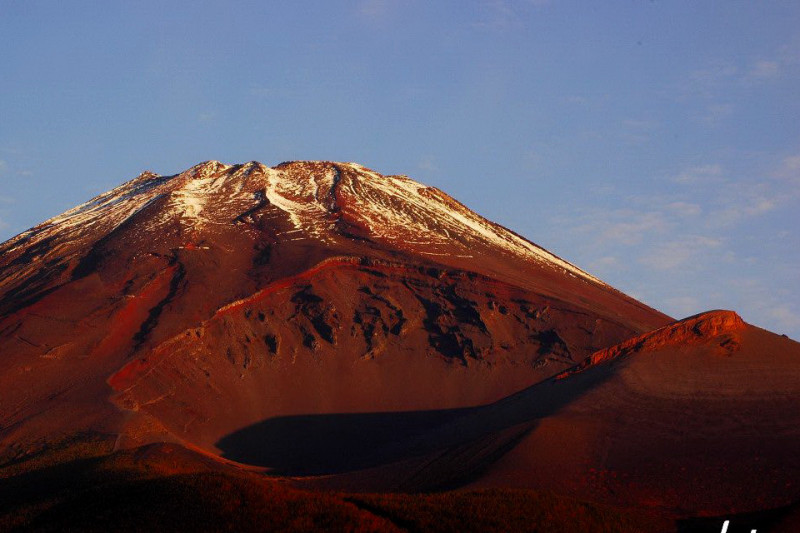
(692,330)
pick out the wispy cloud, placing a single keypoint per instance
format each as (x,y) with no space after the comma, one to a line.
(707,206)
(710,81)
(786,317)
(621,226)
(683,306)
(685,249)
(677,253)
(3,167)
(759,206)
(789,173)
(764,69)
(792,163)
(606,261)
(705,82)
(687,230)
(769,308)
(714,86)
(684,209)
(734,213)
(711,173)
(732,199)
(606,265)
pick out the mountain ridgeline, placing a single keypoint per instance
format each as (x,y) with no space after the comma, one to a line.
(362,332)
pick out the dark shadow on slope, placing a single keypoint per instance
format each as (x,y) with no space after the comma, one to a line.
(464,441)
(329,443)
(164,487)
(36,487)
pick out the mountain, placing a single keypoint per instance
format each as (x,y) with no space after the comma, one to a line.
(186,307)
(353,331)
(697,417)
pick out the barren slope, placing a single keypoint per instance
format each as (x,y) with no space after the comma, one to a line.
(188,307)
(701,417)
(356,331)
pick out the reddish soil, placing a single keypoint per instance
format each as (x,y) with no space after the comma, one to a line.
(674,421)
(347,355)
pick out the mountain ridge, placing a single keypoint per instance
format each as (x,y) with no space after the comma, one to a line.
(355,331)
(119,279)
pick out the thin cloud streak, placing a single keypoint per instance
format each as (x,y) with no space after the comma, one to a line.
(679,253)
(711,173)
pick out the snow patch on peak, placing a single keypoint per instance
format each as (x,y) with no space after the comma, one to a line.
(304,197)
(197,187)
(121,201)
(317,197)
(146,175)
(241,174)
(361,168)
(410,215)
(206,168)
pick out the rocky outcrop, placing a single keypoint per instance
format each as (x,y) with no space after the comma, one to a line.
(699,328)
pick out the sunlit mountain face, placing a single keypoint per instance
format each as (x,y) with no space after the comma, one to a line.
(303,333)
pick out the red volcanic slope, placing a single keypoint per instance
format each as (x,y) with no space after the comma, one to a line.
(357,331)
(689,331)
(185,308)
(701,418)
(698,418)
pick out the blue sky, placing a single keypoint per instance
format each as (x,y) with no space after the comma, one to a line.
(655,144)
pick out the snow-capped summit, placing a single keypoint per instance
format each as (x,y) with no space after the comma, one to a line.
(187,306)
(321,201)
